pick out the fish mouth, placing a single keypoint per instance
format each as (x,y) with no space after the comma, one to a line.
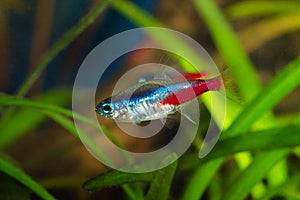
(98,110)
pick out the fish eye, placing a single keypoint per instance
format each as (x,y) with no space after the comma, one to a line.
(107,108)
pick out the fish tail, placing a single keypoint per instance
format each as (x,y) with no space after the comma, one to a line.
(230,87)
(204,85)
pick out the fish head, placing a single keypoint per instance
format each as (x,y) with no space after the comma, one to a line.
(106,108)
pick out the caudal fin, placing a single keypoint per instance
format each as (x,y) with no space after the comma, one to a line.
(230,87)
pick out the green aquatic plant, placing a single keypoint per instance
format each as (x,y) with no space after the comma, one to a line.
(253,137)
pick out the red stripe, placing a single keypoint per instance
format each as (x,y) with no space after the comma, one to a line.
(198,88)
(191,76)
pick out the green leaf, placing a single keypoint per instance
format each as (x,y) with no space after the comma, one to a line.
(293,180)
(200,179)
(11,100)
(270,139)
(277,89)
(63,121)
(116,178)
(62,43)
(26,119)
(55,112)
(69,125)
(143,19)
(128,181)
(286,81)
(268,29)
(13,171)
(230,48)
(260,166)
(237,59)
(162,181)
(276,138)
(232,53)
(246,9)
(135,14)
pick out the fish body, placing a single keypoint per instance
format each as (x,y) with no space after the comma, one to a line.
(155,99)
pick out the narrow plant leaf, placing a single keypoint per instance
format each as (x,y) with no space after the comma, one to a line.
(273,93)
(240,64)
(21,123)
(116,178)
(233,54)
(162,181)
(135,13)
(26,119)
(69,125)
(246,9)
(230,48)
(62,43)
(268,29)
(260,166)
(55,112)
(63,121)
(200,179)
(293,180)
(278,174)
(138,16)
(280,86)
(134,190)
(271,139)
(11,100)
(143,19)
(296,119)
(23,178)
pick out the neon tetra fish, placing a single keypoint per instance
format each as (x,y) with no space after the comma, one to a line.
(156,99)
